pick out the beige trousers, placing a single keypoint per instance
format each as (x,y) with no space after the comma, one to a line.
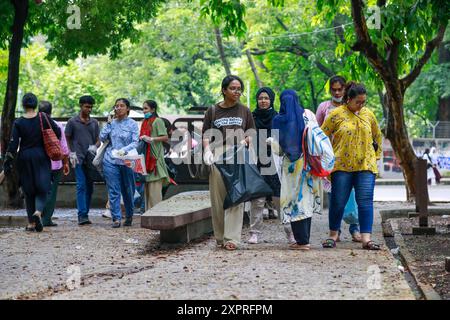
(153,193)
(227,224)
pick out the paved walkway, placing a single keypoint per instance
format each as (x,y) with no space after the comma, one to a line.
(128,264)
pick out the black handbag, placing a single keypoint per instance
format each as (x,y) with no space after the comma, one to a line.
(142,147)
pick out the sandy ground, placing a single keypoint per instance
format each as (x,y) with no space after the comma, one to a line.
(98,262)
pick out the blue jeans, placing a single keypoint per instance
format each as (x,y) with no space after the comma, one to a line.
(139,202)
(119,180)
(85,187)
(341,187)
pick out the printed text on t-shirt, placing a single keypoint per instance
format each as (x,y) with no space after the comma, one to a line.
(230,121)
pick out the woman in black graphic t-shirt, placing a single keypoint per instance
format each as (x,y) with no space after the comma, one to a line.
(226,116)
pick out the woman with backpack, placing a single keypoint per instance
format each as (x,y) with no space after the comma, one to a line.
(300,189)
(154,134)
(337,86)
(356,140)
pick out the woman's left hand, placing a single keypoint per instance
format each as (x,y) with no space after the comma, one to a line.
(146,138)
(66,169)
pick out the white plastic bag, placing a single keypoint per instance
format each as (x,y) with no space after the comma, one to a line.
(100,154)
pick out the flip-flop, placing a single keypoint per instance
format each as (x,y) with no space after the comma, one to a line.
(230,246)
(371,245)
(329,243)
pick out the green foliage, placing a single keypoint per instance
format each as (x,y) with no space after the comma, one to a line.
(173,58)
(229,12)
(175,62)
(172,63)
(62,85)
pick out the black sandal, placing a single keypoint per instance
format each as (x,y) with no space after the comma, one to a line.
(329,243)
(30,229)
(371,245)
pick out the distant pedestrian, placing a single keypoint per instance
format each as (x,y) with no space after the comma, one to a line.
(433,174)
(33,163)
(82,133)
(58,168)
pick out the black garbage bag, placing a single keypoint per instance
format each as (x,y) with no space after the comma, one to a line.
(92,171)
(241,178)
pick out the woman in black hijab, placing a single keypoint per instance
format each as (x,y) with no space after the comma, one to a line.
(263,116)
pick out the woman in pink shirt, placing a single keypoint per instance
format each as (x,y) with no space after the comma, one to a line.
(337,89)
(58,167)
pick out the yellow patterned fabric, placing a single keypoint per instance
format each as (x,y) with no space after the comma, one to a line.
(352,137)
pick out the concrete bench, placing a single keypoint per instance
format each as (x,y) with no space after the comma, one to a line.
(181,218)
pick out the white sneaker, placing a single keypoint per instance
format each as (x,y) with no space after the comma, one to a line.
(107,214)
(253,239)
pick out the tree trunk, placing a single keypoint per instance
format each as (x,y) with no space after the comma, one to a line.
(398,136)
(191,97)
(314,101)
(386,65)
(12,86)
(253,67)
(444,103)
(223,57)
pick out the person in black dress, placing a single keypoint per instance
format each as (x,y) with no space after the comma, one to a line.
(33,164)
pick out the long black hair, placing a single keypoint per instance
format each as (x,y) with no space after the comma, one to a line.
(228,79)
(46,107)
(124,100)
(352,90)
(152,104)
(339,79)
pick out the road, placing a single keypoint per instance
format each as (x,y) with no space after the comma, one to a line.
(398,193)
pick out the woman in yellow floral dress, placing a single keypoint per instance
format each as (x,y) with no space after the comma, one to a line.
(357,146)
